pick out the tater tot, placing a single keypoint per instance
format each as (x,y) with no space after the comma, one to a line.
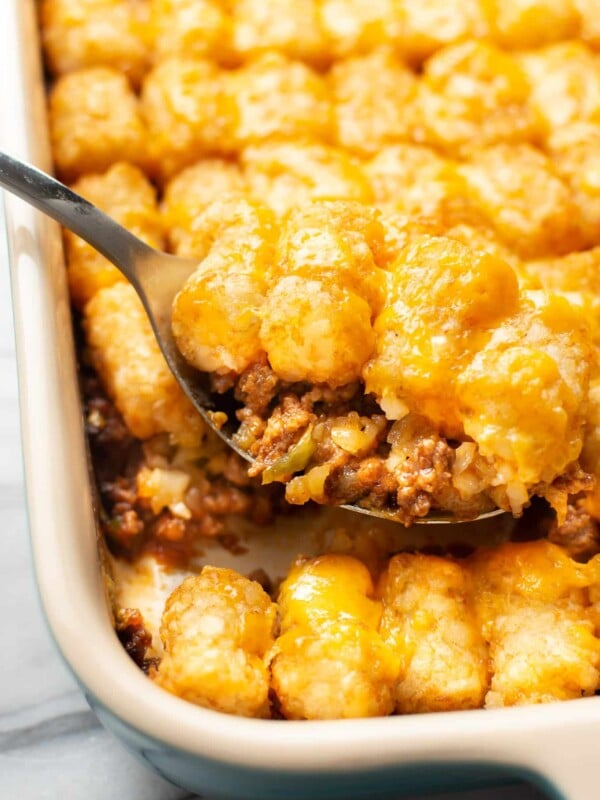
(197,28)
(432,24)
(288,174)
(575,276)
(95,121)
(421,338)
(530,600)
(353,27)
(575,151)
(240,223)
(316,322)
(541,655)
(590,22)
(126,356)
(189,193)
(401,229)
(416,181)
(519,24)
(340,243)
(93,33)
(519,193)
(291,28)
(429,619)
(523,397)
(564,83)
(274,97)
(188,112)
(125,194)
(216,629)
(316,332)
(472,95)
(329,661)
(366,120)
(216,315)
(479,236)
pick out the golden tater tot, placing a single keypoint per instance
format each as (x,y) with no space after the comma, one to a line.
(125,194)
(575,276)
(353,27)
(288,174)
(541,655)
(519,193)
(95,33)
(338,242)
(366,120)
(316,332)
(95,121)
(125,354)
(187,111)
(519,24)
(401,229)
(478,236)
(575,151)
(421,338)
(274,97)
(316,322)
(216,315)
(564,83)
(189,193)
(293,29)
(590,22)
(241,224)
(531,604)
(523,395)
(416,181)
(216,629)
(197,28)
(432,24)
(429,619)
(472,94)
(329,661)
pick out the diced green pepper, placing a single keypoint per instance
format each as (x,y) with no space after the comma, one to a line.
(296,458)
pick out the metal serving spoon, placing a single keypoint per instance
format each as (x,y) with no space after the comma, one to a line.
(156,277)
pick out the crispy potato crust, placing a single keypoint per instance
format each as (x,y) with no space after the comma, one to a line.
(397,281)
(508,625)
(215,630)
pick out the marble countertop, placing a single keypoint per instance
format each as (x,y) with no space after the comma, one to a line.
(51,744)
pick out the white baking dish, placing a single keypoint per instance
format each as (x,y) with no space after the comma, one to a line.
(554,745)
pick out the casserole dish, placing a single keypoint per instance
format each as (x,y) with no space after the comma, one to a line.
(553,746)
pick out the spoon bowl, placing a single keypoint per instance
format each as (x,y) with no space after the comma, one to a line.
(156,277)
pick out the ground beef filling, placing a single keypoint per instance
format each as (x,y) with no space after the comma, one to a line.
(131,526)
(345,448)
(274,418)
(336,447)
(579,535)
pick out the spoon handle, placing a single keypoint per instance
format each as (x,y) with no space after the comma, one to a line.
(74,212)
